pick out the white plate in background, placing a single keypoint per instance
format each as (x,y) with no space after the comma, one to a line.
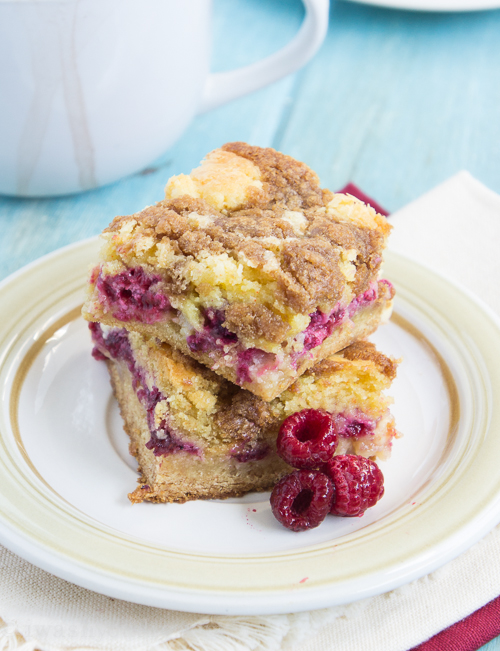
(435,5)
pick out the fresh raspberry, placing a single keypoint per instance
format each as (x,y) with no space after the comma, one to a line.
(308,438)
(358,484)
(301,500)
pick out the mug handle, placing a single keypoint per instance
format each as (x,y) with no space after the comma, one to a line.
(222,87)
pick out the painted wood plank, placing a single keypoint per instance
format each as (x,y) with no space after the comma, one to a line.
(398,101)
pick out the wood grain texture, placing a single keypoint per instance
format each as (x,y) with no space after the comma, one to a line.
(399,101)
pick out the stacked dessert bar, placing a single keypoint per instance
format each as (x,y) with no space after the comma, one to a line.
(243,297)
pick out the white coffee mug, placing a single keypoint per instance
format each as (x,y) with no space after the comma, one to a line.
(93,90)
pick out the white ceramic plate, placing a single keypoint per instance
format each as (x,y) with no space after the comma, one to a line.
(436,5)
(65,471)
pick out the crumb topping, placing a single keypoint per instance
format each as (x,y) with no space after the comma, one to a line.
(310,274)
(359,351)
(253,226)
(366,351)
(285,181)
(253,321)
(246,416)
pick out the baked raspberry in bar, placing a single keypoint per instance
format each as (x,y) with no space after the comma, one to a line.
(196,435)
(248,266)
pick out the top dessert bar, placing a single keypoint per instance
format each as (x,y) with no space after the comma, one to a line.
(247,266)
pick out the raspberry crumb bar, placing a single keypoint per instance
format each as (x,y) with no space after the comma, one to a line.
(196,435)
(247,266)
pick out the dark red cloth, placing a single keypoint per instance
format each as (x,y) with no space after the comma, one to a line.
(482,626)
(468,634)
(350,188)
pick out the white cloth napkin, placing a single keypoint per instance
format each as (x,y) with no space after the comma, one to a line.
(455,229)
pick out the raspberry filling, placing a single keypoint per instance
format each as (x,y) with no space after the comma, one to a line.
(253,363)
(255,453)
(250,363)
(214,335)
(163,440)
(363,300)
(355,425)
(133,295)
(321,326)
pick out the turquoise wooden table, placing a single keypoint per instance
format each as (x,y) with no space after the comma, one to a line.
(394,101)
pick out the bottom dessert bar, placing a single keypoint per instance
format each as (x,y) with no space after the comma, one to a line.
(197,436)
